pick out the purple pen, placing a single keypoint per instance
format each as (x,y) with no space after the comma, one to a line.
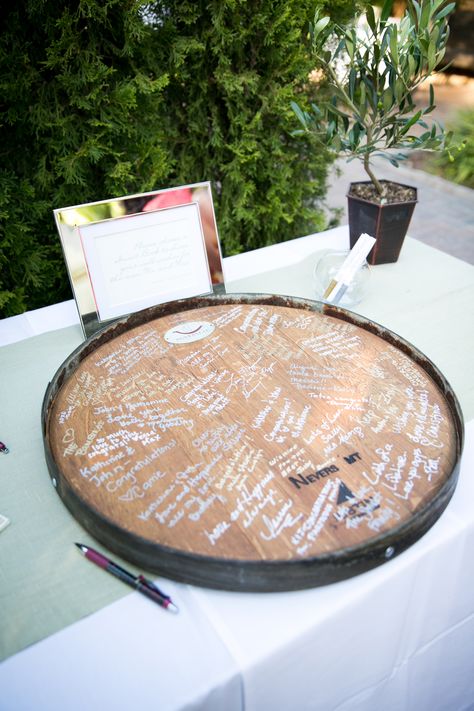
(144,586)
(3,448)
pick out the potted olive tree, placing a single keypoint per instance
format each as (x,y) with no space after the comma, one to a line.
(371,73)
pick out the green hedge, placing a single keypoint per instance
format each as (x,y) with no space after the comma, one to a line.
(106,98)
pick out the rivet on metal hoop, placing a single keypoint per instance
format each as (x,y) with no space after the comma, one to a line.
(55,483)
(389,552)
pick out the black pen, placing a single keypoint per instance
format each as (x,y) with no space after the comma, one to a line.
(144,586)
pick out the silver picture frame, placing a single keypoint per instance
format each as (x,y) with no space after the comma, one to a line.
(70,219)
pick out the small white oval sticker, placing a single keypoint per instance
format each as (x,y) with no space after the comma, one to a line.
(189,331)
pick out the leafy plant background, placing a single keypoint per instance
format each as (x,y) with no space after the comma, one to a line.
(104,98)
(459,168)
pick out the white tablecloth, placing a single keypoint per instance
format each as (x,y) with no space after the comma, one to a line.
(239,267)
(398,637)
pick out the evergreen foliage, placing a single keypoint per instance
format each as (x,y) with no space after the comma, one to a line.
(78,122)
(102,98)
(234,66)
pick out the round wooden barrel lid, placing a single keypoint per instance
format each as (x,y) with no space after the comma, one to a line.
(252,442)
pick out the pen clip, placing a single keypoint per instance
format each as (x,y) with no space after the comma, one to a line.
(151,586)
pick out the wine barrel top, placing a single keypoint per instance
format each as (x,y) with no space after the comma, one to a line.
(252,443)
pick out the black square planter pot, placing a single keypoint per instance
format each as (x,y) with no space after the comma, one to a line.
(387,223)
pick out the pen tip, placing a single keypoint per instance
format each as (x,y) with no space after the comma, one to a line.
(172,607)
(81,547)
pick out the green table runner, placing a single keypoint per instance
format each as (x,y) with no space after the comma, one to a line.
(44,584)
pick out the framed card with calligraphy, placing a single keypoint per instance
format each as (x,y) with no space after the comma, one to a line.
(127,254)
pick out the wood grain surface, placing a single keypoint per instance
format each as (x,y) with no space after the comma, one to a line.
(246,433)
